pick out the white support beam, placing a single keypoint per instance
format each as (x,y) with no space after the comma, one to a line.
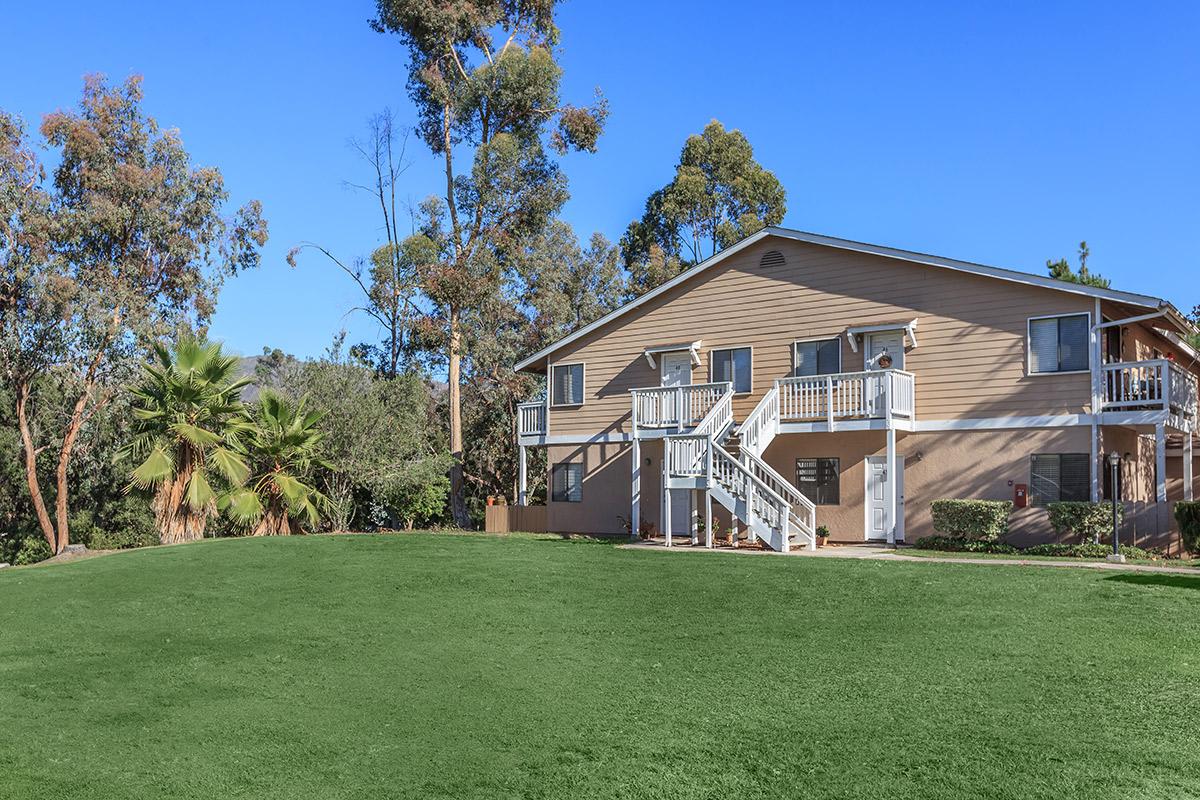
(523,487)
(666,510)
(1188,479)
(890,486)
(693,516)
(635,490)
(1160,461)
(708,519)
(1095,473)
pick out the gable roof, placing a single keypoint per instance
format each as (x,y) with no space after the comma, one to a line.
(1128,298)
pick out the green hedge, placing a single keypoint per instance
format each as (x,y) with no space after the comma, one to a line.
(1085,550)
(957,544)
(1187,514)
(33,549)
(1090,521)
(986,520)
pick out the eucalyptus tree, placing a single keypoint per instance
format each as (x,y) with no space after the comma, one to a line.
(1061,269)
(187,433)
(484,77)
(125,243)
(718,195)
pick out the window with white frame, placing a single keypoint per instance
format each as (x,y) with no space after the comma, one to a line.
(1059,344)
(1055,477)
(567,385)
(566,483)
(733,365)
(817,357)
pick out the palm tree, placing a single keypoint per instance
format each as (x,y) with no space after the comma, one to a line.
(188,419)
(283,452)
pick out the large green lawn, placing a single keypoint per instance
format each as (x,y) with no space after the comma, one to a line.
(471,666)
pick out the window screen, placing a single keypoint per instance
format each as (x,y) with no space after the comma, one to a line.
(1058,344)
(1060,476)
(568,385)
(733,366)
(819,479)
(823,357)
(567,483)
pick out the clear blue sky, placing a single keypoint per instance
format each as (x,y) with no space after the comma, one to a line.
(1002,135)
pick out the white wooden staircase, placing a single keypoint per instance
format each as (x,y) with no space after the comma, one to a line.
(772,510)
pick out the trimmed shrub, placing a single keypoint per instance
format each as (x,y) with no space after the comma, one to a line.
(954,544)
(1086,550)
(33,549)
(985,520)
(1089,521)
(1187,514)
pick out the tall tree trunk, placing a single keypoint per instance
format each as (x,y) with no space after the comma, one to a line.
(458,505)
(31,476)
(64,460)
(177,522)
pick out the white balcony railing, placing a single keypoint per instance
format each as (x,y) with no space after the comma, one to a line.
(875,394)
(676,407)
(531,418)
(1148,385)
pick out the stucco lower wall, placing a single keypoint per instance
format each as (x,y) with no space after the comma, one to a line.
(985,465)
(606,489)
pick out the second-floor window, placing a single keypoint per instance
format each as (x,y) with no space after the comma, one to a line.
(733,365)
(1058,344)
(567,385)
(818,357)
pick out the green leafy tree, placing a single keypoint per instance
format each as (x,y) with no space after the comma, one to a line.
(1062,271)
(282,448)
(189,422)
(485,80)
(719,195)
(384,455)
(126,244)
(1193,339)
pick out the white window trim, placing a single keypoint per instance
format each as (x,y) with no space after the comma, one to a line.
(582,384)
(835,337)
(1029,345)
(749,347)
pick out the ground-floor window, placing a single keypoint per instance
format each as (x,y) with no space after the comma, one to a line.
(819,479)
(566,481)
(1059,476)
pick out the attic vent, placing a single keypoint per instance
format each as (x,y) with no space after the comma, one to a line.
(772,258)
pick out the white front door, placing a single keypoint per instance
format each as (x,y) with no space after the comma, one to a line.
(877,511)
(890,342)
(676,369)
(681,512)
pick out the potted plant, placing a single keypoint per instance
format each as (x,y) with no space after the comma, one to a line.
(822,535)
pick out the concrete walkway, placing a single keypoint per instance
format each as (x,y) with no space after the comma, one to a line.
(884,553)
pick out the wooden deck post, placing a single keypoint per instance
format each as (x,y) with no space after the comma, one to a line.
(708,519)
(666,505)
(694,515)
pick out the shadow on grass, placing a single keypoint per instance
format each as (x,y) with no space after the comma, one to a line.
(1157,579)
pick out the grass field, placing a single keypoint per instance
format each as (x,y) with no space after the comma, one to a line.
(470,666)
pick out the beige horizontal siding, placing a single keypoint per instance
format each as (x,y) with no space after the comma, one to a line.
(971,333)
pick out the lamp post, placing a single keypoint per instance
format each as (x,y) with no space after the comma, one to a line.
(1114,463)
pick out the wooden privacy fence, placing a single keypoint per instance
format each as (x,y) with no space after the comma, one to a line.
(504,519)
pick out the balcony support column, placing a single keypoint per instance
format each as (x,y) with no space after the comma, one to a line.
(1160,462)
(635,489)
(522,486)
(1095,474)
(1188,479)
(666,495)
(890,486)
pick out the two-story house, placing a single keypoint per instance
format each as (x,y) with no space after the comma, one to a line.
(796,380)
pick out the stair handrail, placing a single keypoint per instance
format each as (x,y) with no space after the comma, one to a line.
(783,508)
(781,486)
(766,414)
(711,425)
